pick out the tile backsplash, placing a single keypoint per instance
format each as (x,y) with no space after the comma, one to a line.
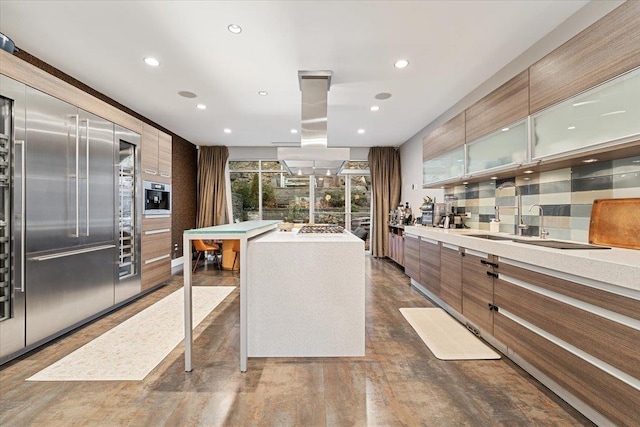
(566,196)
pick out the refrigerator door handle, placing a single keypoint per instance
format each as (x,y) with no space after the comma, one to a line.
(87,179)
(71,253)
(77,119)
(23,177)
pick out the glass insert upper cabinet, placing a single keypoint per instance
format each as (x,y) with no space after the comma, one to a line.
(506,147)
(606,114)
(127,215)
(447,166)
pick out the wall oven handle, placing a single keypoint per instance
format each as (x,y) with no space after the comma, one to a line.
(23,203)
(71,253)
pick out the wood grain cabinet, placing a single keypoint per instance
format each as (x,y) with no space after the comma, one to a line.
(156,250)
(505,105)
(430,265)
(478,274)
(451,275)
(585,339)
(156,155)
(412,256)
(608,48)
(396,245)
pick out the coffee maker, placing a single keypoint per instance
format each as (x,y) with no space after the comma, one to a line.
(428,214)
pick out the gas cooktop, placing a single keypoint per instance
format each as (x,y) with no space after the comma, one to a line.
(321,229)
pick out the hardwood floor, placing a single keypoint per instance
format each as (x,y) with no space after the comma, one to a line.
(398,383)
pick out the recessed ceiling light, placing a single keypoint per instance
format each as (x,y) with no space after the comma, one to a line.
(299,171)
(528,171)
(328,172)
(201,107)
(383,95)
(571,127)
(589,160)
(227,130)
(187,94)
(153,62)
(360,131)
(374,108)
(401,63)
(494,177)
(294,130)
(504,129)
(263,93)
(234,28)
(465,183)
(526,178)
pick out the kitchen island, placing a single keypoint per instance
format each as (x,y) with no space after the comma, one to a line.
(306,294)
(243,231)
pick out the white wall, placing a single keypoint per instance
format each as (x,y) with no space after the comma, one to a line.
(411,150)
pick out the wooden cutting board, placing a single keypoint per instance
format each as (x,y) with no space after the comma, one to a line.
(615,222)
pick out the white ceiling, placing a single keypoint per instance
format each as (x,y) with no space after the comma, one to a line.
(452,46)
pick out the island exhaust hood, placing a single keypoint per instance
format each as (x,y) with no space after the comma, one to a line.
(313,156)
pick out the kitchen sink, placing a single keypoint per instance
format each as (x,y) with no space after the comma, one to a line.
(560,245)
(490,236)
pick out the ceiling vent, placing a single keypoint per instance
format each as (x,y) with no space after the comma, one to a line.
(314,156)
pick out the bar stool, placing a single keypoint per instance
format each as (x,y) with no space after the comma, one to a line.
(202,247)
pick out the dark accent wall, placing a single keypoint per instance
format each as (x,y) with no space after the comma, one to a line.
(184,156)
(184,171)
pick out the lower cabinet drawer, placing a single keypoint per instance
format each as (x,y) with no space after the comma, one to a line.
(607,394)
(155,243)
(156,271)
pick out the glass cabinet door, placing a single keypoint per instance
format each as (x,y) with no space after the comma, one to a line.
(507,146)
(127,215)
(446,166)
(607,113)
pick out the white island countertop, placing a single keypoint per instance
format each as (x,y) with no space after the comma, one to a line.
(615,266)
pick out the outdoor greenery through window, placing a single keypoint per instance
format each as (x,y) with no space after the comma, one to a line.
(265,190)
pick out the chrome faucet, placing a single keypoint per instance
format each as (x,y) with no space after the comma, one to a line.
(521,225)
(542,233)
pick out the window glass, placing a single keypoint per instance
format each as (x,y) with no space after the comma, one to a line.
(285,197)
(243,166)
(330,200)
(271,165)
(361,207)
(245,192)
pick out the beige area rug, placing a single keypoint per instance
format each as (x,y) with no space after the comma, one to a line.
(132,349)
(446,338)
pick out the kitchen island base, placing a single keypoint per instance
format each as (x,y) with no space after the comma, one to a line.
(306,296)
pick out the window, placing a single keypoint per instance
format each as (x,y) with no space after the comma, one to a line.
(263,189)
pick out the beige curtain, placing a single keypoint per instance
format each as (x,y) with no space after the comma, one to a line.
(384,165)
(212,198)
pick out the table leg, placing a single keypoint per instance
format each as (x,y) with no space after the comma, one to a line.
(188,317)
(243,305)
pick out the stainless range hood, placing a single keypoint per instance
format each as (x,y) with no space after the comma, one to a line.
(313,156)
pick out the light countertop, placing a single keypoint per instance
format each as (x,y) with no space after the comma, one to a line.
(616,266)
(293,236)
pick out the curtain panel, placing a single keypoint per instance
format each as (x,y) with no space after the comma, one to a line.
(212,198)
(386,184)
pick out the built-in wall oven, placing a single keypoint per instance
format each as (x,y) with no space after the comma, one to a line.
(157,198)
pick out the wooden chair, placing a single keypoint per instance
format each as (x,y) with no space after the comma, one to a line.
(236,250)
(202,247)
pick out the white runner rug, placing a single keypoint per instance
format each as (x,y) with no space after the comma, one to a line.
(132,349)
(446,338)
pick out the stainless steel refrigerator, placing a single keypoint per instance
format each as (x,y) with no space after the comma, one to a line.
(63,217)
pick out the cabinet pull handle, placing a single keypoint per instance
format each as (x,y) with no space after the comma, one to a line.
(492,264)
(151,171)
(492,274)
